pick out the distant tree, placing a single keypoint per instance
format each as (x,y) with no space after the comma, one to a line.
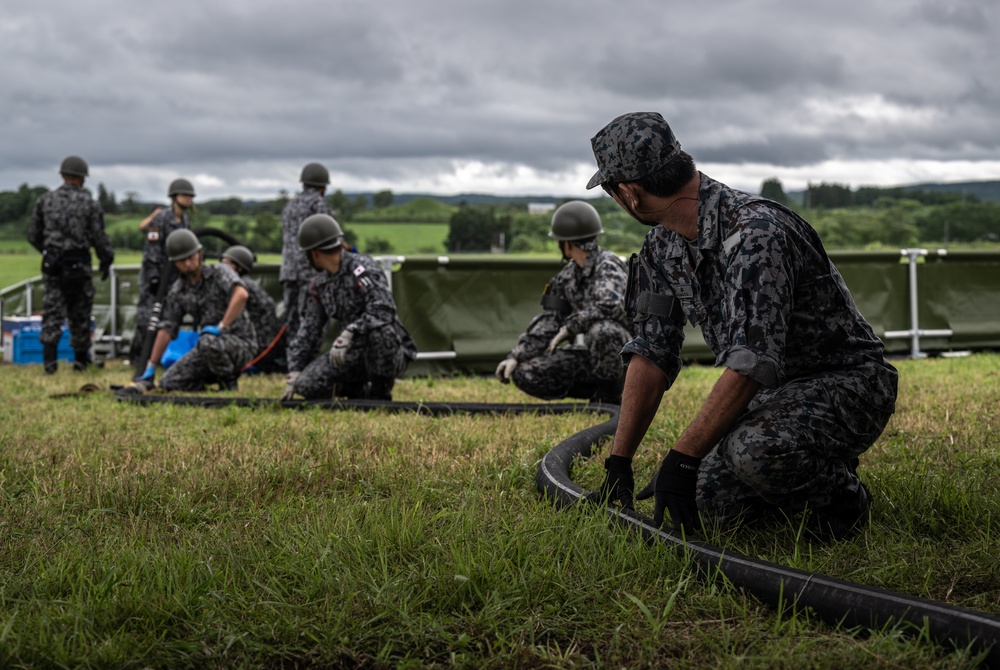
(772,189)
(342,206)
(382,199)
(226,207)
(18,205)
(960,222)
(130,205)
(476,228)
(360,204)
(266,235)
(828,196)
(106,199)
(378,245)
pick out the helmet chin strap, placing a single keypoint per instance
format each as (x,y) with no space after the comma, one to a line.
(635,215)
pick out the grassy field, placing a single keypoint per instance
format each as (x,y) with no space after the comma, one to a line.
(172,536)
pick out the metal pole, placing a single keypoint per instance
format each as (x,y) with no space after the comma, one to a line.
(913,255)
(113,278)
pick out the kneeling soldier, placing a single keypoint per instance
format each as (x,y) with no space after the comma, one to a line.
(583,301)
(214,296)
(373,347)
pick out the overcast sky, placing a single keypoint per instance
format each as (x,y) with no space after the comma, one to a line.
(461,96)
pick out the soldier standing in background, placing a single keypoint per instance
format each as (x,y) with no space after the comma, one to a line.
(65,224)
(583,299)
(214,297)
(261,308)
(373,347)
(296,271)
(157,228)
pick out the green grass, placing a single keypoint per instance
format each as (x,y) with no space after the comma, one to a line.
(171,536)
(405,238)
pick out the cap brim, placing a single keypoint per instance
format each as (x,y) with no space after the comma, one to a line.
(596,180)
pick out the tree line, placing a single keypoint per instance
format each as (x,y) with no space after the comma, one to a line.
(845,218)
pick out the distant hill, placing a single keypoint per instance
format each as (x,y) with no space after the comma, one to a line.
(477,198)
(986,191)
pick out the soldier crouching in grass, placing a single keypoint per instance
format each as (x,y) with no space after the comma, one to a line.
(214,296)
(583,299)
(373,347)
(806,387)
(270,356)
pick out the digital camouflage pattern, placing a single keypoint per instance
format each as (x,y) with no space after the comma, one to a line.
(592,306)
(270,354)
(632,146)
(263,313)
(216,358)
(295,272)
(771,306)
(154,258)
(358,297)
(294,263)
(65,224)
(154,254)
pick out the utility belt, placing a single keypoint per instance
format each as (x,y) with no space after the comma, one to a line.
(69,266)
(561,307)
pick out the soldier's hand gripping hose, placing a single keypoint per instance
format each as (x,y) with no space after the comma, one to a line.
(506,369)
(148,376)
(559,338)
(209,330)
(290,386)
(674,488)
(338,352)
(618,483)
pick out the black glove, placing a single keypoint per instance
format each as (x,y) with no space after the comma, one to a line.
(618,483)
(105,270)
(675,488)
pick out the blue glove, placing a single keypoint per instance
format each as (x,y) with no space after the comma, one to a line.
(209,330)
(148,375)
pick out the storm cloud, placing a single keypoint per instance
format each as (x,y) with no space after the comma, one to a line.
(460,96)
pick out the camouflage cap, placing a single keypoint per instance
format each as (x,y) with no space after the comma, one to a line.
(631,147)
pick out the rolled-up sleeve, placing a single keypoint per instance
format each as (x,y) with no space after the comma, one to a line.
(760,285)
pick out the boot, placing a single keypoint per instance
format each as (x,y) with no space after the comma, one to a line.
(351,390)
(49,353)
(82,361)
(229,384)
(381,388)
(843,518)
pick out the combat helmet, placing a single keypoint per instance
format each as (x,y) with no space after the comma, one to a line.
(315,174)
(575,220)
(320,231)
(240,255)
(180,187)
(182,244)
(74,166)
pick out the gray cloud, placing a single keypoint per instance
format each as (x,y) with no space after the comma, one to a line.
(404,94)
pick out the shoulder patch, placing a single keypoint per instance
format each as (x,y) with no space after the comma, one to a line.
(731,241)
(360,270)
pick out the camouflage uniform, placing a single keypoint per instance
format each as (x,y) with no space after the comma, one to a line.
(296,272)
(154,259)
(772,307)
(216,358)
(64,225)
(359,298)
(264,316)
(586,300)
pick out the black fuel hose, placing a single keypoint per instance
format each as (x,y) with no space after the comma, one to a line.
(838,602)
